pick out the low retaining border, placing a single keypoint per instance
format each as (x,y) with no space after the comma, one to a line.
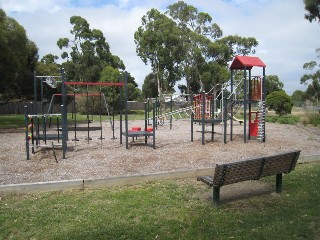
(81,184)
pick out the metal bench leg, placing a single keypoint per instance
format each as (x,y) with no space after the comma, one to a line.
(279,183)
(216,195)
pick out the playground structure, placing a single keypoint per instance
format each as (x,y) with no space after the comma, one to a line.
(37,124)
(207,109)
(254,93)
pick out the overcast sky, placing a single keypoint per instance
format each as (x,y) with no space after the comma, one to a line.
(286,39)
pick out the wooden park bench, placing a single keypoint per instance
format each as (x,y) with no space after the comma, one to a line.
(251,169)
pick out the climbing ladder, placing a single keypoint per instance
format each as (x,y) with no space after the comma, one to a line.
(162,117)
(261,119)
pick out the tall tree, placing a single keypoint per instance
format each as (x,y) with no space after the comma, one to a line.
(18,57)
(313,8)
(158,43)
(207,52)
(312,79)
(48,66)
(196,29)
(87,53)
(298,97)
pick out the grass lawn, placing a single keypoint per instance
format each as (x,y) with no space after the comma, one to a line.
(166,210)
(17,121)
(11,121)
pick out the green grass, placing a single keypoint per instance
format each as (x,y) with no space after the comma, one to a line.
(166,210)
(288,119)
(17,121)
(11,121)
(303,117)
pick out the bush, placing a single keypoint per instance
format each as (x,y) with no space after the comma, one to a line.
(280,102)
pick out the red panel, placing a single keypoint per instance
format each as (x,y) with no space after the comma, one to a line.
(79,94)
(95,83)
(242,62)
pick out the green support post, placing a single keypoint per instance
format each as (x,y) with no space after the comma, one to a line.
(225,119)
(192,119)
(145,122)
(154,130)
(264,99)
(212,118)
(245,106)
(232,104)
(64,118)
(27,133)
(126,110)
(203,115)
(121,109)
(171,112)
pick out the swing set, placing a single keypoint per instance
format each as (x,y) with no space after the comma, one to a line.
(35,133)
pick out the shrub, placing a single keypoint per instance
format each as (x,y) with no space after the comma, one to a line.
(280,102)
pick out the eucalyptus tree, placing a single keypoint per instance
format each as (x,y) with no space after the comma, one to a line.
(87,53)
(312,79)
(207,51)
(197,30)
(48,65)
(313,8)
(158,42)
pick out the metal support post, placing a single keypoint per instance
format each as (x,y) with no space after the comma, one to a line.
(203,115)
(27,134)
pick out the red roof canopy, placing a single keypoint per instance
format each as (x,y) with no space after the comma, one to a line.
(246,62)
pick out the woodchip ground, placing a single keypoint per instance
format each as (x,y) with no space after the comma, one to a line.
(174,152)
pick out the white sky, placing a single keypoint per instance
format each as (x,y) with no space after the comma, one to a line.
(286,39)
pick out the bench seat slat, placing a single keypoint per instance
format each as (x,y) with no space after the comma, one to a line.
(206,179)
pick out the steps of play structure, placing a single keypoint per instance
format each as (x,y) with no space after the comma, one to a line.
(48,137)
(84,128)
(175,112)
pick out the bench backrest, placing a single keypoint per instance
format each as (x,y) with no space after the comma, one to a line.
(254,169)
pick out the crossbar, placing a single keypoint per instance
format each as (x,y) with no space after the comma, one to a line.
(79,94)
(95,83)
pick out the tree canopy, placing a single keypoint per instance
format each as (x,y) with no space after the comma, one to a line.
(18,58)
(312,79)
(158,42)
(313,8)
(150,87)
(87,53)
(273,83)
(183,43)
